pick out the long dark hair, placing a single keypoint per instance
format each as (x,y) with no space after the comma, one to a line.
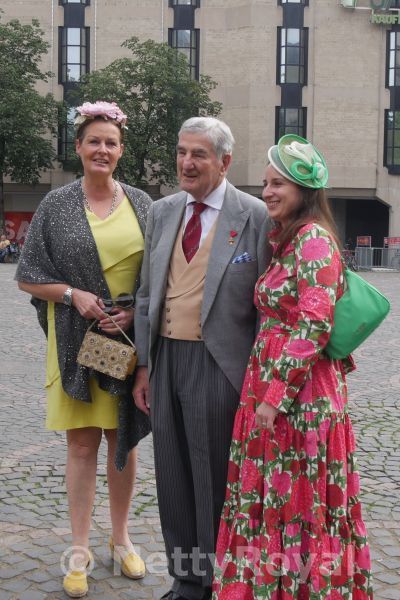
(314,208)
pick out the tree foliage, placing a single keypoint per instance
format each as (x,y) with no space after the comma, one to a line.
(155,90)
(27,119)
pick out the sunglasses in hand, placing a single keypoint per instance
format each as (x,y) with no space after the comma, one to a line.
(121,301)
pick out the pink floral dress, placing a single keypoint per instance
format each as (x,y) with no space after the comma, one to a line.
(291,525)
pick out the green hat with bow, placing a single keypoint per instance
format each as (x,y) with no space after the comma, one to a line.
(298,160)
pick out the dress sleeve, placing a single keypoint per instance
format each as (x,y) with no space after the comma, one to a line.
(319,270)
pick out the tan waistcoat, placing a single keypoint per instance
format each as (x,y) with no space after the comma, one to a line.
(181,315)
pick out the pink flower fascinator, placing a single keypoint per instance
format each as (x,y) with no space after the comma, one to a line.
(106,110)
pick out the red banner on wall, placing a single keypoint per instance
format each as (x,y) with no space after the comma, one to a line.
(17,225)
(392,241)
(364,240)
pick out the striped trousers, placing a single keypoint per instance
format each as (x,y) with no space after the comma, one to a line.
(193,406)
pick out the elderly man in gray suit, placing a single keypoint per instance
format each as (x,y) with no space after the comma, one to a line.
(195,323)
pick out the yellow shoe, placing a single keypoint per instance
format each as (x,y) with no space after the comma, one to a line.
(75,584)
(131,564)
(75,581)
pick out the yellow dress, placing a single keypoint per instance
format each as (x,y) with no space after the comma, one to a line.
(120,245)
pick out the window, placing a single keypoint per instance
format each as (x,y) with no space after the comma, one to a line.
(187,42)
(392,141)
(66,140)
(74,53)
(292,50)
(293,2)
(393,58)
(85,2)
(290,120)
(195,3)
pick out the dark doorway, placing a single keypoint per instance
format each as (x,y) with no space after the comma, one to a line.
(366,217)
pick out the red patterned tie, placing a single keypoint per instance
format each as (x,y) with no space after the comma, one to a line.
(192,235)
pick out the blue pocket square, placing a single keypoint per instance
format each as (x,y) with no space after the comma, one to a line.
(245,257)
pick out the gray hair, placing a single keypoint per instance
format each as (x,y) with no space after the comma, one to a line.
(217,132)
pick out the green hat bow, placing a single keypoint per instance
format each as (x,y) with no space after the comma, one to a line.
(298,160)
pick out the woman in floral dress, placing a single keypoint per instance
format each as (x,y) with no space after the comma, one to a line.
(292,525)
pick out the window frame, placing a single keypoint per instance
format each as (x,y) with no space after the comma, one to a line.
(66,139)
(84,66)
(66,2)
(173,3)
(302,47)
(389,53)
(301,129)
(194,49)
(392,166)
(301,2)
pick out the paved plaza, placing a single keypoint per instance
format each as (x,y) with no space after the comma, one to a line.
(34,526)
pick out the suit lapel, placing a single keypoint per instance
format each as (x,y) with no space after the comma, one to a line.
(171,219)
(232,220)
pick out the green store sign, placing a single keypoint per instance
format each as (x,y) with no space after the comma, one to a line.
(391,19)
(389,16)
(373,4)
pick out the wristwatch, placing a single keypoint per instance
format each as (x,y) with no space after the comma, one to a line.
(67,296)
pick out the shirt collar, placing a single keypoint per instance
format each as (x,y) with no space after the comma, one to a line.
(215,199)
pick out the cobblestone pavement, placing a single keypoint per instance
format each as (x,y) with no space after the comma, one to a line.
(34,525)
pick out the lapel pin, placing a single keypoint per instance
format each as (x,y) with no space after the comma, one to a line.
(233,234)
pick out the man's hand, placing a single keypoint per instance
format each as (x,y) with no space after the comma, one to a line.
(141,391)
(265,417)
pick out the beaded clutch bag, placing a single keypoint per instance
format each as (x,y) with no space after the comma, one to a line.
(106,355)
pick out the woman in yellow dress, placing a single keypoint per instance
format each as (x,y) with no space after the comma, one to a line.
(83,254)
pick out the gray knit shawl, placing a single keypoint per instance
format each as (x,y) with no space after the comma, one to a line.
(60,248)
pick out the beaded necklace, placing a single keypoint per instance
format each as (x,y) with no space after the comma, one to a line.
(113,201)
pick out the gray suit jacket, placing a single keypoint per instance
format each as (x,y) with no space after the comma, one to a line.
(228,316)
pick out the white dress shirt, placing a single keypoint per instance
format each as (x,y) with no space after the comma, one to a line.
(208,217)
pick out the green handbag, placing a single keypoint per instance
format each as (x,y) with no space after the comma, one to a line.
(358,313)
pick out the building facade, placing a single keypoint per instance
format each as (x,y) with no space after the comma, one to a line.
(325,69)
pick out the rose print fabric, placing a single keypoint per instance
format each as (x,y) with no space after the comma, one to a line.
(292,525)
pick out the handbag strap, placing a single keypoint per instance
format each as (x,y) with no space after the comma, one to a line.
(116,325)
(345,269)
